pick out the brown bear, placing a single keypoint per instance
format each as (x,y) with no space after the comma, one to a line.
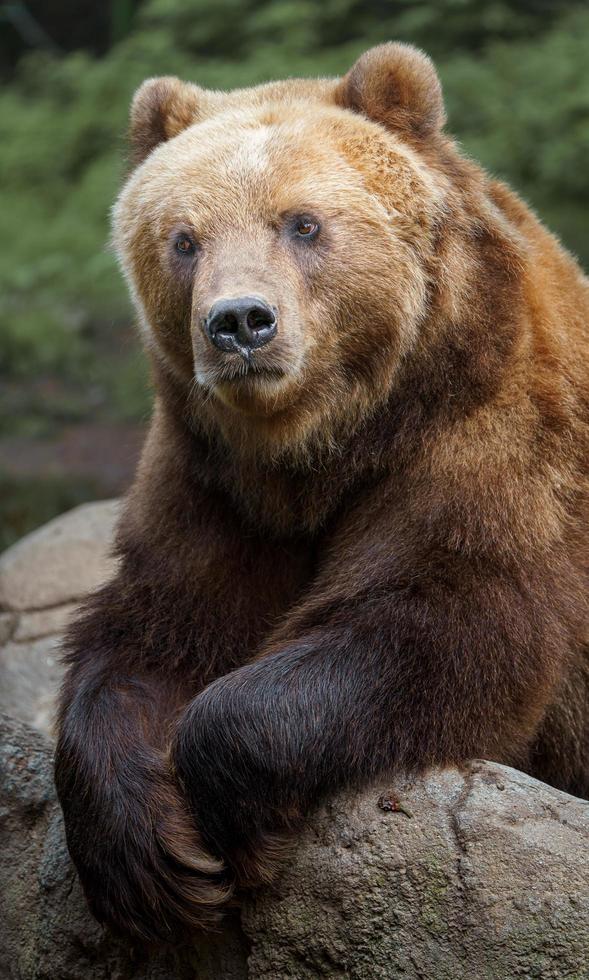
(357,542)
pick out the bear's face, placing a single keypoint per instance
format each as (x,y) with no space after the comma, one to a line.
(277,247)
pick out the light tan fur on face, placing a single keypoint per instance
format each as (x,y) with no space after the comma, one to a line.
(232,180)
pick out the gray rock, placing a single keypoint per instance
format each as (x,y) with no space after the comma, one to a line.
(8,624)
(41,579)
(62,561)
(43,623)
(30,674)
(488,879)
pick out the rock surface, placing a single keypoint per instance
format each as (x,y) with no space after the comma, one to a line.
(489,878)
(42,578)
(480,875)
(60,562)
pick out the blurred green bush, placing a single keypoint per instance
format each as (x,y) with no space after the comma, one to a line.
(516,77)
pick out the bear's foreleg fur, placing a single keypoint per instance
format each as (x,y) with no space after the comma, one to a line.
(383,667)
(174,617)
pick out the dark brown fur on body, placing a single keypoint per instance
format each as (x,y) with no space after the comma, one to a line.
(372,556)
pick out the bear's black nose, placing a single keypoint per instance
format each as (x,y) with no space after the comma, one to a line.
(241,324)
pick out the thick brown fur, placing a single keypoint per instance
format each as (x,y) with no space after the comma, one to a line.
(364,550)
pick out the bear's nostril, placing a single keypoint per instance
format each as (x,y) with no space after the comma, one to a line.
(240,325)
(228,324)
(259,318)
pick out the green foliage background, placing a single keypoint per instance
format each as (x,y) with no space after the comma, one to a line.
(516,79)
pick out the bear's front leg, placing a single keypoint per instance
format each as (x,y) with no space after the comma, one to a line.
(260,746)
(170,621)
(429,669)
(141,860)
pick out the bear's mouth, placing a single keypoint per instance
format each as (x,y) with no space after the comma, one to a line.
(263,375)
(245,371)
(254,380)
(249,388)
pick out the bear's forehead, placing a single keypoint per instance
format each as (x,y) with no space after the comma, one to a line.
(254,147)
(274,158)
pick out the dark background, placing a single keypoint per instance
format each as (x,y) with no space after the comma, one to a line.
(74,396)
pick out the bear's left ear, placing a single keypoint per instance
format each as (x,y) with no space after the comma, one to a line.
(396,85)
(162,108)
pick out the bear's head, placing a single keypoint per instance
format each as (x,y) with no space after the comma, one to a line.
(279,240)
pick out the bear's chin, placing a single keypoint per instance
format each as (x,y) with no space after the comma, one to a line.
(259,393)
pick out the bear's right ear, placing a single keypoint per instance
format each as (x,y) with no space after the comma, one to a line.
(396,85)
(161,108)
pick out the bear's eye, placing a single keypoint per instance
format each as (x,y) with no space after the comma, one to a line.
(184,245)
(306,227)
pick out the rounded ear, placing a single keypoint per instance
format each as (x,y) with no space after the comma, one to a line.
(396,85)
(161,108)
